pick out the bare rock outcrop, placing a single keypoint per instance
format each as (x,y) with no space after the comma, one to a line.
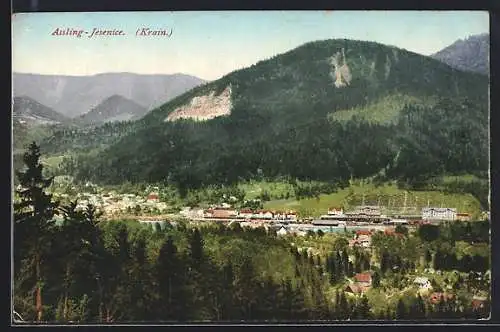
(203,108)
(342,74)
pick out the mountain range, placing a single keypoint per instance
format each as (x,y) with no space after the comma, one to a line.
(73,96)
(470,54)
(327,110)
(114,108)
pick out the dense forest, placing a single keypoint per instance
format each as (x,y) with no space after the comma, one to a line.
(448,138)
(88,270)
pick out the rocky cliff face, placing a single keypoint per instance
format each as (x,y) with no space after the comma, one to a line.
(342,73)
(202,108)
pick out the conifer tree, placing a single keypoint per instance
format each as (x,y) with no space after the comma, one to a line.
(344,308)
(428,257)
(337,305)
(420,306)
(268,301)
(376,280)
(363,309)
(339,264)
(171,284)
(345,262)
(196,247)
(385,263)
(246,290)
(33,225)
(388,314)
(71,240)
(140,292)
(401,312)
(227,307)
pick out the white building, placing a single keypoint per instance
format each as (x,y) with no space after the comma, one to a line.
(422,282)
(245,214)
(439,213)
(291,216)
(399,221)
(335,211)
(282,231)
(365,241)
(264,215)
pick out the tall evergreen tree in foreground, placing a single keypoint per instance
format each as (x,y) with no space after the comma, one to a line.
(33,223)
(171,288)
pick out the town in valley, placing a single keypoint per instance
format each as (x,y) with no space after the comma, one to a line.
(256,175)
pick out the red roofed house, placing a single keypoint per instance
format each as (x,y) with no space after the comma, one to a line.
(363,238)
(208,213)
(364,279)
(363,232)
(478,302)
(223,214)
(356,288)
(363,282)
(389,231)
(436,297)
(392,232)
(153,197)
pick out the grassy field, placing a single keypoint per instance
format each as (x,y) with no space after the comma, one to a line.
(385,110)
(462,178)
(254,189)
(388,196)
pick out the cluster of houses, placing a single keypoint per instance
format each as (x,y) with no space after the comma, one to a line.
(362,282)
(113,203)
(226,213)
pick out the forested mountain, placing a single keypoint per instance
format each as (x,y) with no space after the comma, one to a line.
(113,109)
(471,54)
(31,112)
(76,95)
(32,121)
(433,119)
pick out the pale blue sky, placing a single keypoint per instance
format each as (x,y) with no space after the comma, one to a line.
(212,44)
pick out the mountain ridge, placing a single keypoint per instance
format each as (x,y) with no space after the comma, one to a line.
(469,54)
(76,95)
(113,108)
(33,112)
(234,78)
(111,73)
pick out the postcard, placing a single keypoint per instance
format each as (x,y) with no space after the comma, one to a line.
(250,166)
